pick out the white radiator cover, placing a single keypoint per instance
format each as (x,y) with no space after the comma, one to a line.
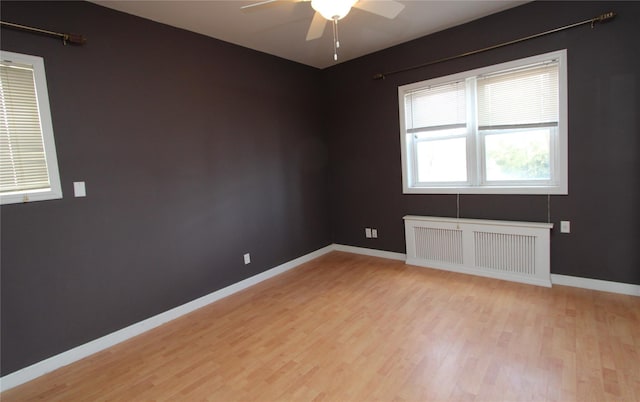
(513,251)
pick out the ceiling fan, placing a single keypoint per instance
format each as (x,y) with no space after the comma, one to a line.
(335,10)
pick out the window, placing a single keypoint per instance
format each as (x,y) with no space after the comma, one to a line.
(28,162)
(495,130)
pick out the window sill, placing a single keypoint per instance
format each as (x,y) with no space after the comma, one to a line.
(26,197)
(544,190)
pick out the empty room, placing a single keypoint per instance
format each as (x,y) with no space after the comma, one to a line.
(373,200)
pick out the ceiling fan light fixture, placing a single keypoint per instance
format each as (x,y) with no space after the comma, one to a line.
(333,10)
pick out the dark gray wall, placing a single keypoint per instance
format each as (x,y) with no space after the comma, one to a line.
(194,152)
(604,138)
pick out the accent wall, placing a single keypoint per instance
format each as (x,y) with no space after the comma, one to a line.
(194,151)
(604,136)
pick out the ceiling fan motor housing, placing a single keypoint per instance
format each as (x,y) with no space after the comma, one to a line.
(333,10)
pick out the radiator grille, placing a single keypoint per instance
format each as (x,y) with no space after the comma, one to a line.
(516,251)
(443,245)
(512,253)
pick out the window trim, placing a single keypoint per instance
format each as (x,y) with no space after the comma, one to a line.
(559,162)
(42,94)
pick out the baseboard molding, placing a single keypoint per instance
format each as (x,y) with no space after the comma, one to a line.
(564,280)
(370,251)
(596,284)
(80,352)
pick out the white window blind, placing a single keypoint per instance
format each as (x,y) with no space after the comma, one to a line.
(23,164)
(28,163)
(519,98)
(436,108)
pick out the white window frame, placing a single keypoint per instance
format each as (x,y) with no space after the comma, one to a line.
(475,181)
(42,94)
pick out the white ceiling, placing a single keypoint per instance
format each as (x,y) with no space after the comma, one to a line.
(280,28)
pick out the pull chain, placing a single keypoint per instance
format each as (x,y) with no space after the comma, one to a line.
(336,40)
(458,211)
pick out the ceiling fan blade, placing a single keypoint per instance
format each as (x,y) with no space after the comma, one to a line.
(257,4)
(316,29)
(265,2)
(386,8)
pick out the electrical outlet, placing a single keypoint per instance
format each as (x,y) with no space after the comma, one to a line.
(247,259)
(374,233)
(565,226)
(367,233)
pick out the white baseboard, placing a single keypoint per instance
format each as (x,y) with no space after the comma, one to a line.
(80,352)
(574,281)
(370,251)
(596,284)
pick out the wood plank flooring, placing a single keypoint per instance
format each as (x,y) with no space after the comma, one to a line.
(346,327)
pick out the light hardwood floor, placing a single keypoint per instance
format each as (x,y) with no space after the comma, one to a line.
(346,327)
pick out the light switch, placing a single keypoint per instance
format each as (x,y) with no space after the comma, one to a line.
(79,189)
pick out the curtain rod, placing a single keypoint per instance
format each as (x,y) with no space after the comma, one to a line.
(601,18)
(75,39)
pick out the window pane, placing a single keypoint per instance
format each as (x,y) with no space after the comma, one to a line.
(442,160)
(519,155)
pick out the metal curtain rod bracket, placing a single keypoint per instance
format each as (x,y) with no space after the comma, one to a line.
(74,39)
(602,18)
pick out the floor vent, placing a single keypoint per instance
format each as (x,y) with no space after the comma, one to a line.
(514,251)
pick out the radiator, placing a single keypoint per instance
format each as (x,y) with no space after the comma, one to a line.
(514,251)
